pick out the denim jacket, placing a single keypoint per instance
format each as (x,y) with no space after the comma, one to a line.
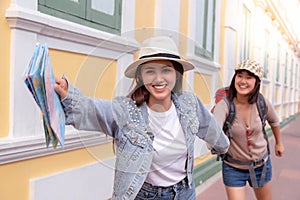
(129,126)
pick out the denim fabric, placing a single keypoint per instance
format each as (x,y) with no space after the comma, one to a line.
(129,126)
(234,177)
(178,191)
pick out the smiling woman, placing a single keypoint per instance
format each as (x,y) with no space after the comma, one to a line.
(159,78)
(247,159)
(154,127)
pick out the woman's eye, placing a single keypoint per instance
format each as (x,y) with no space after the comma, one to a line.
(149,71)
(167,69)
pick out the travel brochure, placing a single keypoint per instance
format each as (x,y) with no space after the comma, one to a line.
(40,80)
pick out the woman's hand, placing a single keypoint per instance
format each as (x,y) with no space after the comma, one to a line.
(279,149)
(61,87)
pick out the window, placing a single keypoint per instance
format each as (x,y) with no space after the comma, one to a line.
(267,54)
(296,75)
(205,20)
(292,73)
(245,35)
(286,65)
(100,14)
(278,64)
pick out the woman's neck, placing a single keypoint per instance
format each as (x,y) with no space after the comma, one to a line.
(242,99)
(159,106)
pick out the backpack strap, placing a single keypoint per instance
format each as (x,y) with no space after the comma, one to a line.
(251,165)
(262,110)
(228,122)
(230,117)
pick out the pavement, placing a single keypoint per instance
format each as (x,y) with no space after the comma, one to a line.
(286,170)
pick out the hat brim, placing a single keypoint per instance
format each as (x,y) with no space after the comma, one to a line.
(131,69)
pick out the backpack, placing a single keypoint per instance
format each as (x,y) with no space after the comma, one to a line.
(222,93)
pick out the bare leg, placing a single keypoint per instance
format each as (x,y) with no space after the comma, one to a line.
(236,193)
(264,193)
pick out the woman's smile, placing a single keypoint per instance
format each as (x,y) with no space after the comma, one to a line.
(159,78)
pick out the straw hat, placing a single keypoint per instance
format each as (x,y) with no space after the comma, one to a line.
(157,48)
(251,66)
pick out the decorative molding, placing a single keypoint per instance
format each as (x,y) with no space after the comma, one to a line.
(266,81)
(203,64)
(55,28)
(275,10)
(18,149)
(62,35)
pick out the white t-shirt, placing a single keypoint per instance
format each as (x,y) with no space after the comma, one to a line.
(170,150)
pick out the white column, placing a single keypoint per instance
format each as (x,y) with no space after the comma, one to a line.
(25,117)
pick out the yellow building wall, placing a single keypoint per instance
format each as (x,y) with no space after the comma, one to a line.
(277,98)
(277,109)
(15,177)
(222,47)
(91,75)
(95,77)
(4,70)
(202,87)
(144,19)
(183,27)
(264,90)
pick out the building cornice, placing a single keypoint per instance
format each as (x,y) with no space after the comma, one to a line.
(283,25)
(48,26)
(18,149)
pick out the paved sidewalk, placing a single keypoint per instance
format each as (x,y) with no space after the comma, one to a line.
(286,171)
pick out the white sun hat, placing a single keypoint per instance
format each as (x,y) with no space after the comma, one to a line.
(157,48)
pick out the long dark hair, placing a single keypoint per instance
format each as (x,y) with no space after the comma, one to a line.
(253,94)
(140,94)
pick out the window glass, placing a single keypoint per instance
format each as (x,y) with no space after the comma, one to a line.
(100,14)
(107,7)
(278,63)
(245,35)
(292,72)
(205,20)
(267,54)
(286,65)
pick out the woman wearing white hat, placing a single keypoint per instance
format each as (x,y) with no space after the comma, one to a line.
(247,159)
(154,128)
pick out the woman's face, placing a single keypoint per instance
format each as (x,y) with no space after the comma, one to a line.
(159,78)
(244,82)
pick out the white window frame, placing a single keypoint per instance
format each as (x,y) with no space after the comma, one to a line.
(204,45)
(245,38)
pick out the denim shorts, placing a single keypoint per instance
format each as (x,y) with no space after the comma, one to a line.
(234,177)
(178,191)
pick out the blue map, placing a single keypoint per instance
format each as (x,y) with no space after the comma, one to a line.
(40,80)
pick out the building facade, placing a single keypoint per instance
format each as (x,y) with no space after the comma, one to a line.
(92,41)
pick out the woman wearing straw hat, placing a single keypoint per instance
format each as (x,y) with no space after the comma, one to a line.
(154,128)
(247,159)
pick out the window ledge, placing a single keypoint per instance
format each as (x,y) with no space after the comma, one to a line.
(278,84)
(202,63)
(51,27)
(18,149)
(266,81)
